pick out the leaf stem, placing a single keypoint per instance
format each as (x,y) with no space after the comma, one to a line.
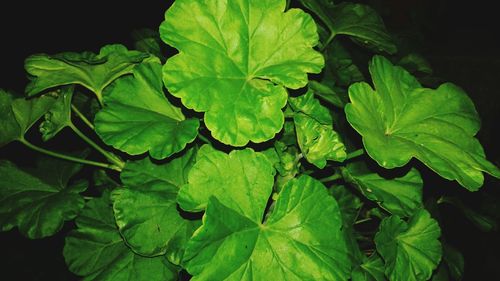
(331,178)
(204,139)
(328,41)
(362,220)
(355,154)
(112,158)
(82,117)
(70,158)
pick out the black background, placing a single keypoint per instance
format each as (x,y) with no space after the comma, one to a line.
(461,39)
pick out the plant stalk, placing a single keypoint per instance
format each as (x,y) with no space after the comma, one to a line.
(355,154)
(331,178)
(82,117)
(70,158)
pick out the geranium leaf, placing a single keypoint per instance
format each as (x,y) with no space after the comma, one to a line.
(137,116)
(241,180)
(146,208)
(59,116)
(400,196)
(372,269)
(38,206)
(93,71)
(96,250)
(18,115)
(349,204)
(360,22)
(315,135)
(400,120)
(301,239)
(232,64)
(411,250)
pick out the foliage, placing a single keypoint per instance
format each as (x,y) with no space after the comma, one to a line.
(260,151)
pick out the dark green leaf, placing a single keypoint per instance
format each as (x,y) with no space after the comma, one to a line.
(146,209)
(138,117)
(38,206)
(96,250)
(482,221)
(59,116)
(400,120)
(411,250)
(372,269)
(301,239)
(17,116)
(349,204)
(233,65)
(148,41)
(399,196)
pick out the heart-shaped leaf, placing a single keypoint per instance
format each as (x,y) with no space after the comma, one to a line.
(400,120)
(233,64)
(138,117)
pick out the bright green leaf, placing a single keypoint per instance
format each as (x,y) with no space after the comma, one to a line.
(399,196)
(93,71)
(316,138)
(146,209)
(326,93)
(232,64)
(411,250)
(59,116)
(96,250)
(241,180)
(360,22)
(301,239)
(17,116)
(38,206)
(138,117)
(400,120)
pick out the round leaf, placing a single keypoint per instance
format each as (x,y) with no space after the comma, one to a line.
(301,240)
(234,66)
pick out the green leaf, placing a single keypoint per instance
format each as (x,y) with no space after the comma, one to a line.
(482,221)
(411,250)
(93,71)
(360,22)
(415,63)
(38,206)
(233,65)
(401,120)
(96,250)
(146,209)
(17,116)
(316,138)
(454,261)
(399,196)
(241,180)
(340,66)
(59,116)
(138,117)
(326,93)
(301,240)
(349,204)
(148,41)
(372,269)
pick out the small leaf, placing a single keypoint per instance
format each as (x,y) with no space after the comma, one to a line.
(17,116)
(400,120)
(148,41)
(372,269)
(146,208)
(301,240)
(93,71)
(316,138)
(96,250)
(360,22)
(59,116)
(232,64)
(241,180)
(411,250)
(399,196)
(340,66)
(38,206)
(415,63)
(138,118)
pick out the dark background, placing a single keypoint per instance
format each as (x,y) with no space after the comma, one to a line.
(460,38)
